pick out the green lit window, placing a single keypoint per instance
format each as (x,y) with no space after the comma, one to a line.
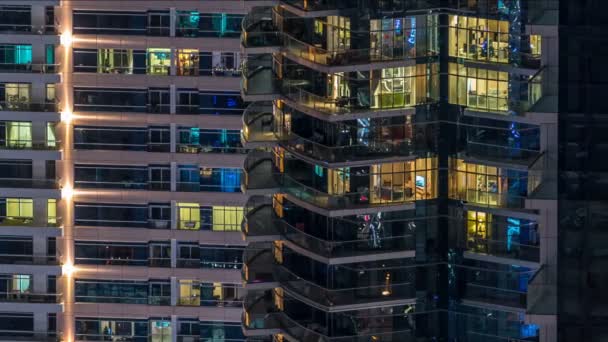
(51,138)
(15,54)
(115,61)
(159,61)
(21,283)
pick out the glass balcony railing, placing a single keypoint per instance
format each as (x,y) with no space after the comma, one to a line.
(14,221)
(28,259)
(30,144)
(258,265)
(259,313)
(259,78)
(29,183)
(26,106)
(128,185)
(542,292)
(260,173)
(342,154)
(502,154)
(319,5)
(29,297)
(29,68)
(260,222)
(31,336)
(258,124)
(337,249)
(311,332)
(492,199)
(356,200)
(495,295)
(258,29)
(505,249)
(347,296)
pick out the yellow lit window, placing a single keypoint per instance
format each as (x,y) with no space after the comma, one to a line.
(227,218)
(19,208)
(51,211)
(19,134)
(187,62)
(189,293)
(189,216)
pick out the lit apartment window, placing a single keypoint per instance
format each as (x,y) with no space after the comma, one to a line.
(15,96)
(221,218)
(400,87)
(536,44)
(187,62)
(115,61)
(159,61)
(15,57)
(51,211)
(479,39)
(20,209)
(189,292)
(16,134)
(189,216)
(478,88)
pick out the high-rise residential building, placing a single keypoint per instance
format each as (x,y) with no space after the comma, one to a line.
(120,168)
(403,185)
(303,170)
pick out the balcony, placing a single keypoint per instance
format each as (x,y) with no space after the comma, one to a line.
(259,34)
(536,95)
(259,223)
(24,105)
(28,297)
(29,68)
(45,145)
(259,174)
(350,154)
(481,152)
(30,336)
(369,247)
(258,125)
(28,259)
(542,292)
(29,183)
(258,265)
(259,82)
(12,221)
(505,249)
(312,332)
(259,316)
(346,298)
(496,296)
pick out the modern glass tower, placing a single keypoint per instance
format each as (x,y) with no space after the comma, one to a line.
(403,184)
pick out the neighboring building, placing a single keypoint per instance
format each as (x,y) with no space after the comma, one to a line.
(121,159)
(413,152)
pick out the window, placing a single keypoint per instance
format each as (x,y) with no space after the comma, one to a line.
(115,253)
(400,87)
(189,292)
(110,138)
(187,23)
(220,331)
(219,25)
(479,39)
(221,103)
(189,216)
(108,22)
(16,96)
(187,62)
(115,61)
(110,100)
(15,18)
(111,291)
(20,208)
(18,134)
(159,61)
(51,212)
(50,94)
(110,215)
(479,88)
(111,177)
(187,101)
(92,329)
(220,218)
(220,179)
(221,257)
(15,57)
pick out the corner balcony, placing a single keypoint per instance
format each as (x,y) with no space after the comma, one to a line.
(542,294)
(533,101)
(355,298)
(258,267)
(259,223)
(259,81)
(350,155)
(312,332)
(506,251)
(347,251)
(317,8)
(260,174)
(361,201)
(258,125)
(338,109)
(259,34)
(260,314)
(477,152)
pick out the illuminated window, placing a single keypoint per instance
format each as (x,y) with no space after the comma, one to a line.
(159,61)
(479,39)
(535,45)
(17,95)
(51,211)
(21,283)
(401,87)
(19,208)
(226,218)
(51,138)
(189,292)
(189,216)
(115,61)
(19,134)
(478,88)
(187,62)
(51,93)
